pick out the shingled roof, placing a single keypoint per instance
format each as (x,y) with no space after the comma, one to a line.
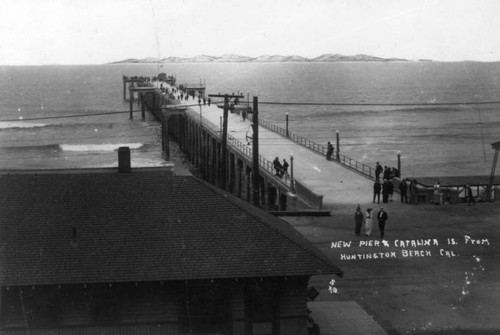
(93,226)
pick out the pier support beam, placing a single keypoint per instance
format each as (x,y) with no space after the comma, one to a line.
(124,88)
(131,100)
(143,108)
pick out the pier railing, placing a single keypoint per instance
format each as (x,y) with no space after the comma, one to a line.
(343,160)
(301,190)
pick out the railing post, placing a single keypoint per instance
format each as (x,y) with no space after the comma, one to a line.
(338,144)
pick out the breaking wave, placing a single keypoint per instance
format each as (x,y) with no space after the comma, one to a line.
(13,125)
(98,147)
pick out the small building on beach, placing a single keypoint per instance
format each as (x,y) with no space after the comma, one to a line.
(142,251)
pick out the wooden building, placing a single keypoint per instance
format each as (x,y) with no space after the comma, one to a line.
(141,251)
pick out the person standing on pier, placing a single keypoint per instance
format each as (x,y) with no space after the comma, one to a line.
(358,219)
(438,196)
(368,222)
(385,191)
(378,170)
(284,169)
(387,172)
(377,187)
(403,188)
(391,189)
(382,218)
(277,166)
(470,196)
(329,151)
(413,192)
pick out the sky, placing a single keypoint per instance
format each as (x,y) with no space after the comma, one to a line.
(39,32)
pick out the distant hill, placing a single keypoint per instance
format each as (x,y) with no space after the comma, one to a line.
(278,58)
(231,58)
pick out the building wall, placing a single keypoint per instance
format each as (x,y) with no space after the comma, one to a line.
(293,312)
(54,306)
(248,306)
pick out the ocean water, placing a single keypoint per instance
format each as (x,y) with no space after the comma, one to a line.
(433,140)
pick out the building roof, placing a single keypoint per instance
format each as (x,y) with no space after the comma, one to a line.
(59,227)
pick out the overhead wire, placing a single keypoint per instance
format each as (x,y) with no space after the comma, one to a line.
(377,104)
(268,103)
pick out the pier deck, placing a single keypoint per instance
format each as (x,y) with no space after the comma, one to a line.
(336,183)
(342,186)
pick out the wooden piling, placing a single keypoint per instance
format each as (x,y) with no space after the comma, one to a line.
(124,88)
(143,107)
(224,142)
(131,101)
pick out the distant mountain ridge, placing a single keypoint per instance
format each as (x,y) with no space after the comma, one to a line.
(231,58)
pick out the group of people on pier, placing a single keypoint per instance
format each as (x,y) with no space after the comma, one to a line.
(408,189)
(387,172)
(365,221)
(281,169)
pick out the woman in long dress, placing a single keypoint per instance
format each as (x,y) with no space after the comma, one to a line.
(437,194)
(368,222)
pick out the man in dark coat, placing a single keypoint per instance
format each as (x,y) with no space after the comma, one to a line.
(385,191)
(329,151)
(277,166)
(413,192)
(284,170)
(382,218)
(470,196)
(358,219)
(403,188)
(387,172)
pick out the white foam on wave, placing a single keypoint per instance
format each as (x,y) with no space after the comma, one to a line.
(98,147)
(12,125)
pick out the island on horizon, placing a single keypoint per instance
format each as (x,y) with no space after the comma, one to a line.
(232,58)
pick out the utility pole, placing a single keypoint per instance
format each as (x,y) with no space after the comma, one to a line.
(496,147)
(223,172)
(255,152)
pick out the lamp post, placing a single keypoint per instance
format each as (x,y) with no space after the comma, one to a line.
(292,183)
(287,125)
(399,163)
(338,145)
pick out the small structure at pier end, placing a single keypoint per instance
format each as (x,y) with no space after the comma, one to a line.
(142,251)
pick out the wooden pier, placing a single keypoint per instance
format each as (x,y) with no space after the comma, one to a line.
(203,143)
(318,183)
